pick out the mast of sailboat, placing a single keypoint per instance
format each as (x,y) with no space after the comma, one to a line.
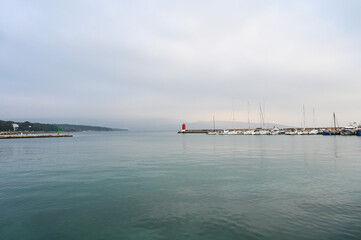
(304,116)
(314,118)
(260,115)
(214,125)
(264,115)
(249,126)
(233,118)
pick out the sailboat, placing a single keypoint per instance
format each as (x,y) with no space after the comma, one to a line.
(275,131)
(303,131)
(249,131)
(263,131)
(333,131)
(234,132)
(314,131)
(214,129)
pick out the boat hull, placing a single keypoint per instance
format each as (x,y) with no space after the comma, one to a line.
(325,133)
(212,133)
(348,132)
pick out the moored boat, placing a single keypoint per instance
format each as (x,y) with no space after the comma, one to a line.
(264,132)
(248,132)
(349,130)
(256,131)
(234,132)
(275,131)
(291,132)
(358,132)
(303,132)
(332,131)
(224,132)
(313,132)
(214,132)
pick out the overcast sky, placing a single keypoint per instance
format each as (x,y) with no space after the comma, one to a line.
(120,63)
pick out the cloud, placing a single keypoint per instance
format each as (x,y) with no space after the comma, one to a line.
(178,60)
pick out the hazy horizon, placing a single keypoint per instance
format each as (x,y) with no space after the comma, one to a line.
(169,125)
(151,63)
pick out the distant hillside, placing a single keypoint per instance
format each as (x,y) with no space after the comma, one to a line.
(80,128)
(6,126)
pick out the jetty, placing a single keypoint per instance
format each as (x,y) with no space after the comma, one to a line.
(34,136)
(200,130)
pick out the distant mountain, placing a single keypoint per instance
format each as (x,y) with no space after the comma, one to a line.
(6,126)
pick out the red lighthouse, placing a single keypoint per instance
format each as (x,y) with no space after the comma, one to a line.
(183,127)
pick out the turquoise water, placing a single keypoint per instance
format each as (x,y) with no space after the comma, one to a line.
(135,185)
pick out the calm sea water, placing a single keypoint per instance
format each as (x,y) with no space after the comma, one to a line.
(141,185)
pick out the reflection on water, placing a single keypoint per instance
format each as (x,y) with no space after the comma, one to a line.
(335,146)
(184,143)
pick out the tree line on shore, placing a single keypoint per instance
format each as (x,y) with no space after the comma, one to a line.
(7,126)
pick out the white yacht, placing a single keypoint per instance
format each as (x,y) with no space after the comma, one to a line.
(248,132)
(291,132)
(212,133)
(256,131)
(303,132)
(349,130)
(275,131)
(224,132)
(313,132)
(233,132)
(264,132)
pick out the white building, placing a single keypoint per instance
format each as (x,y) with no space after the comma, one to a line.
(15,126)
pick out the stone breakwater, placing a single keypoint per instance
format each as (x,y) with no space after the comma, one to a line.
(34,136)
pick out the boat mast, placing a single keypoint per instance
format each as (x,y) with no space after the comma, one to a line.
(264,115)
(260,115)
(314,118)
(233,118)
(249,126)
(214,125)
(304,116)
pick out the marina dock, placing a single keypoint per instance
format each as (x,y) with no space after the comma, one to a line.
(34,136)
(269,131)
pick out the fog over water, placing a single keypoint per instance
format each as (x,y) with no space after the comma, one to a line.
(144,64)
